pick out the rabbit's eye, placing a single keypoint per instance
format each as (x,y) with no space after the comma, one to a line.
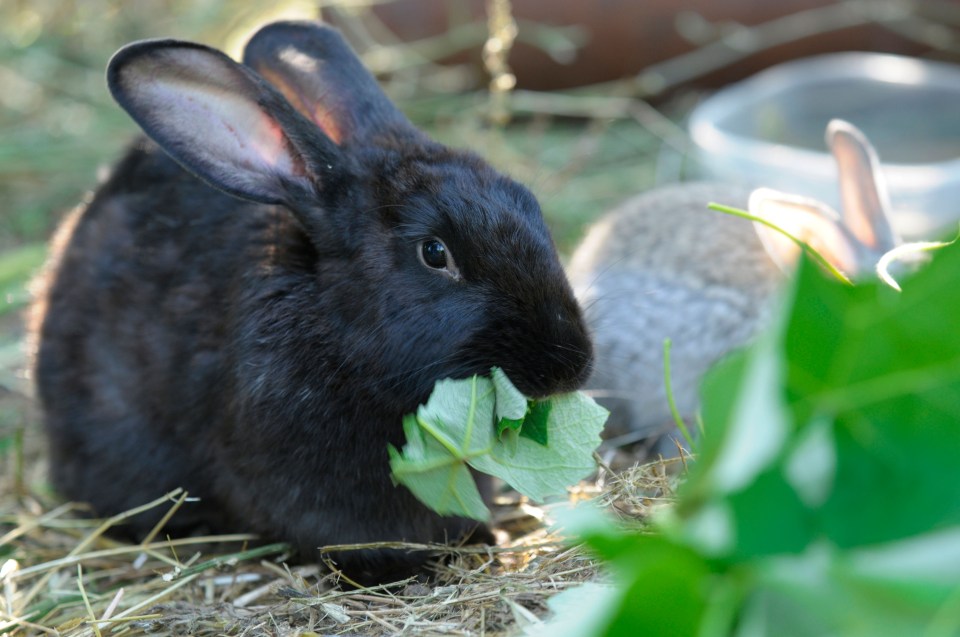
(436,256)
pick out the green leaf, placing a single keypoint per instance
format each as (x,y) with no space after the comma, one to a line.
(457,427)
(508,423)
(737,476)
(660,587)
(884,368)
(575,422)
(459,415)
(787,527)
(664,588)
(582,611)
(676,604)
(516,412)
(721,386)
(826,591)
(536,424)
(511,404)
(436,476)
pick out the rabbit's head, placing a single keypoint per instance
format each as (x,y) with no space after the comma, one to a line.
(662,265)
(852,239)
(430,263)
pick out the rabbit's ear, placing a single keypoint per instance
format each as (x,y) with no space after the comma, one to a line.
(219,119)
(863,192)
(814,223)
(321,76)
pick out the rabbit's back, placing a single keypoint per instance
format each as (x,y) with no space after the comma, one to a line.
(662,265)
(132,337)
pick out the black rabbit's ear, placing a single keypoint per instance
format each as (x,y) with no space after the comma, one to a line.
(321,76)
(218,119)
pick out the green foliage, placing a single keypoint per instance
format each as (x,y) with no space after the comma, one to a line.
(536,424)
(16,267)
(826,500)
(528,418)
(460,426)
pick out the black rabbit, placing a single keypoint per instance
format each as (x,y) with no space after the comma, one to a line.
(257,336)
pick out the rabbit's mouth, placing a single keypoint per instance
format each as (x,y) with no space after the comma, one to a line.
(548,364)
(567,371)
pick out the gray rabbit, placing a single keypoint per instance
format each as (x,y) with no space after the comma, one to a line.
(255,298)
(662,265)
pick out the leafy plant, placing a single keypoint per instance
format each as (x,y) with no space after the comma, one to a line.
(826,498)
(537,447)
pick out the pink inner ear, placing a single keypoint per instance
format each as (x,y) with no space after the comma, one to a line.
(862,187)
(226,128)
(326,121)
(810,221)
(323,117)
(271,145)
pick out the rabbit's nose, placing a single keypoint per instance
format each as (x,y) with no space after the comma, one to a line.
(562,359)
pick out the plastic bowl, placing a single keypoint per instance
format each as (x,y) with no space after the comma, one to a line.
(768,130)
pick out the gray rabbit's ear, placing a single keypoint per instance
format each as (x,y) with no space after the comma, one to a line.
(810,221)
(219,120)
(321,76)
(863,192)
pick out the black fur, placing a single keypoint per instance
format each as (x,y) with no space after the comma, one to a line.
(262,356)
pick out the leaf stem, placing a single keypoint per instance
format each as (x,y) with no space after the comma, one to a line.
(429,465)
(677,418)
(472,413)
(443,440)
(810,250)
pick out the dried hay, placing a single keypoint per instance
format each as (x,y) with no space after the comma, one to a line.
(60,574)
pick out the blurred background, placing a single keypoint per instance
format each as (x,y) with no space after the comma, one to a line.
(586,102)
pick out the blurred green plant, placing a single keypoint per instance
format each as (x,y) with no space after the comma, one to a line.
(826,498)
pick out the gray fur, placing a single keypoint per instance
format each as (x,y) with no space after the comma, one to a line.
(664,266)
(660,266)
